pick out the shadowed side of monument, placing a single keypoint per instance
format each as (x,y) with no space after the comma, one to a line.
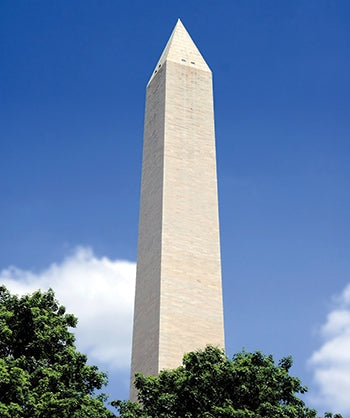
(178,300)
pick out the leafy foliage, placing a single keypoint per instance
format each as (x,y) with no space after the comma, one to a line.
(208,384)
(43,375)
(41,372)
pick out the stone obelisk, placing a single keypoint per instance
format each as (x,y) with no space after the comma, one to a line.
(178,301)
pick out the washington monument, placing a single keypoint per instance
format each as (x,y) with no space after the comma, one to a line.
(178,301)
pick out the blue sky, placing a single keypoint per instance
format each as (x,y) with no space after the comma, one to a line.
(72,89)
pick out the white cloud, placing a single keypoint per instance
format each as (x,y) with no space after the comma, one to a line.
(99,291)
(331,362)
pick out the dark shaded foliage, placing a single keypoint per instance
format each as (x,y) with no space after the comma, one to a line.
(41,372)
(208,384)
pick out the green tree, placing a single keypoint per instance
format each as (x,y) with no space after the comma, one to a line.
(208,384)
(41,372)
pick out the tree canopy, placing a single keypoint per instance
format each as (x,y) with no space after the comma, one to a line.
(41,372)
(43,375)
(209,384)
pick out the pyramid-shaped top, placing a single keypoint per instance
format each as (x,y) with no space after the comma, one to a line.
(181,48)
